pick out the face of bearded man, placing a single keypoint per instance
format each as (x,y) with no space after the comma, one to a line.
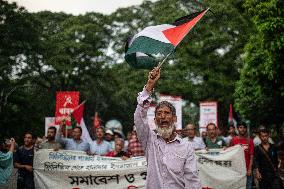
(166,132)
(165,122)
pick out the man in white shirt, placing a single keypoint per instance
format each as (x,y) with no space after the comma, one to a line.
(100,146)
(231,133)
(197,142)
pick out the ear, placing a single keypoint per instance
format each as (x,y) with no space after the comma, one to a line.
(175,119)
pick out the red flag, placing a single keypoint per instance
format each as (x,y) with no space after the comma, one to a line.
(78,113)
(97,121)
(183,26)
(231,114)
(66,101)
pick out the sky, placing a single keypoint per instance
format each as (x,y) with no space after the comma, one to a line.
(76,7)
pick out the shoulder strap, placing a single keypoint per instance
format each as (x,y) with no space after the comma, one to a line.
(267,156)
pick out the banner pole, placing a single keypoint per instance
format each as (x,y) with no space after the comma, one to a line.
(66,132)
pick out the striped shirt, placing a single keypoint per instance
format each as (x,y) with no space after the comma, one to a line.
(169,164)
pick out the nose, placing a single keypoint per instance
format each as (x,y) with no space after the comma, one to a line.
(163,115)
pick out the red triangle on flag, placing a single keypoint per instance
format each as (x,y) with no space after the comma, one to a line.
(78,113)
(176,34)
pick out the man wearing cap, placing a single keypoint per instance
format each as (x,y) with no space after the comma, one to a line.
(247,144)
(171,161)
(109,138)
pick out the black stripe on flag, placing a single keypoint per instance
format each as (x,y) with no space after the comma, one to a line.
(187,18)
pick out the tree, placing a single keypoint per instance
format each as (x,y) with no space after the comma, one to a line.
(260,91)
(19,38)
(86,53)
(205,65)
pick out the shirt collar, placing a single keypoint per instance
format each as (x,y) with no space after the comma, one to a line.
(190,139)
(80,141)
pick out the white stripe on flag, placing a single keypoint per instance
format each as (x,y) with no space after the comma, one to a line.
(154,32)
(85,133)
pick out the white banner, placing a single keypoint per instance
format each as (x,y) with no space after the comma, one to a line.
(76,170)
(221,169)
(49,121)
(208,114)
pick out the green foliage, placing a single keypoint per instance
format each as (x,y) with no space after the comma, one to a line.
(260,90)
(19,36)
(57,52)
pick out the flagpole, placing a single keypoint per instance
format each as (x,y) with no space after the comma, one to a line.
(163,61)
(79,105)
(66,132)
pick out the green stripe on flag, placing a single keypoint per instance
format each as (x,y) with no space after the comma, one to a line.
(148,46)
(142,62)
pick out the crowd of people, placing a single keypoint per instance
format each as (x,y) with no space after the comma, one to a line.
(170,154)
(106,143)
(261,154)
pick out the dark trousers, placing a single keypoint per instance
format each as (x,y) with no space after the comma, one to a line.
(25,182)
(274,183)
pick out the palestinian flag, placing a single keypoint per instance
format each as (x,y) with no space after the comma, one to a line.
(153,43)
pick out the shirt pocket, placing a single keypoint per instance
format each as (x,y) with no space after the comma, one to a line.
(174,163)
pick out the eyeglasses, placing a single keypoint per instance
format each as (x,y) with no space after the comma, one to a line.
(189,129)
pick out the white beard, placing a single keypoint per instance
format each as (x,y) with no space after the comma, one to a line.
(165,132)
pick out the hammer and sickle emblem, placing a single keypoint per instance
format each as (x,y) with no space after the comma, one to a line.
(68,100)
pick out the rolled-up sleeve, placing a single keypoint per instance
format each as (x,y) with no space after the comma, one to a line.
(140,117)
(190,172)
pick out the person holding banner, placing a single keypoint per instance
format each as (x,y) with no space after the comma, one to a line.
(134,146)
(118,150)
(50,143)
(75,143)
(197,142)
(171,162)
(100,146)
(247,144)
(212,140)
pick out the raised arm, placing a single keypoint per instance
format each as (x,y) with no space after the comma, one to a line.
(7,156)
(58,136)
(143,103)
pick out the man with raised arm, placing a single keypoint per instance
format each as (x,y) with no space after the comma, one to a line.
(171,160)
(6,160)
(75,143)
